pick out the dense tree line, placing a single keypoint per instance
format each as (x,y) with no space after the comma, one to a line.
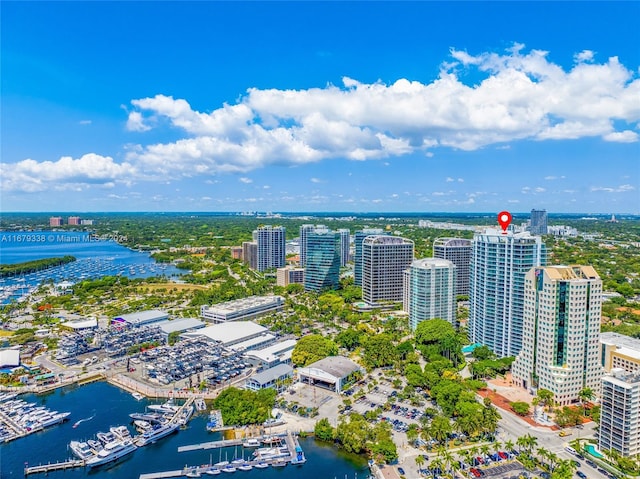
(241,407)
(27,267)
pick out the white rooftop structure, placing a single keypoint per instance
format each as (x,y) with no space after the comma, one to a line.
(254,343)
(84,324)
(9,357)
(242,309)
(274,354)
(231,333)
(181,324)
(142,317)
(331,372)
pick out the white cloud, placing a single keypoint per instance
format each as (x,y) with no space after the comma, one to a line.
(626,136)
(513,201)
(584,56)
(66,173)
(316,180)
(514,95)
(553,178)
(245,180)
(460,180)
(619,189)
(449,179)
(135,122)
(84,122)
(266,187)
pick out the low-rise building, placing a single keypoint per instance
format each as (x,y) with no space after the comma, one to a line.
(620,352)
(142,318)
(275,377)
(242,309)
(278,353)
(180,325)
(333,373)
(236,335)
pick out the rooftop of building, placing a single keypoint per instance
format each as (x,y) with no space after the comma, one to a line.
(82,324)
(245,303)
(231,332)
(429,263)
(622,377)
(251,342)
(386,239)
(271,374)
(453,242)
(620,341)
(181,324)
(143,316)
(561,272)
(336,366)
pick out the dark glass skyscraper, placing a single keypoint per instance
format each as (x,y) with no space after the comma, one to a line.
(538,222)
(323,261)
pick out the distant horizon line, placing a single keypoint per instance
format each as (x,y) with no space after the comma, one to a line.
(311,213)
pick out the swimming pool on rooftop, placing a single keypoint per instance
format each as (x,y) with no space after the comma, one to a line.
(591,449)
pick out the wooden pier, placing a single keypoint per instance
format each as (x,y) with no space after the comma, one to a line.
(54,466)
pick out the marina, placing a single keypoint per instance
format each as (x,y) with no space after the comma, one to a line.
(94,259)
(41,451)
(287,451)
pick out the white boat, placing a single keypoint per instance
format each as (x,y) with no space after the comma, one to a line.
(112,452)
(168,407)
(245,467)
(229,468)
(261,465)
(138,396)
(82,450)
(212,472)
(121,432)
(156,433)
(55,418)
(106,437)
(221,464)
(251,443)
(142,426)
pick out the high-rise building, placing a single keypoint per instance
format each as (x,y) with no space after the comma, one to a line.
(305,230)
(56,221)
(538,222)
(429,291)
(561,321)
(250,254)
(384,259)
(288,275)
(499,262)
(271,247)
(620,413)
(73,220)
(345,239)
(357,240)
(458,251)
(323,261)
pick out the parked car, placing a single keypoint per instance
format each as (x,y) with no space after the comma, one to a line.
(581,475)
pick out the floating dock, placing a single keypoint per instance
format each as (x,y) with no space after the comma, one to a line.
(54,466)
(294,456)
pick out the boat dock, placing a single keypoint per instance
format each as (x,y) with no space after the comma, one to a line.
(54,466)
(293,456)
(211,445)
(11,424)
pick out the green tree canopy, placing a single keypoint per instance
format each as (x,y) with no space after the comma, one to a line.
(312,348)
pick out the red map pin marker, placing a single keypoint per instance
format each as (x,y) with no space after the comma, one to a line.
(504,218)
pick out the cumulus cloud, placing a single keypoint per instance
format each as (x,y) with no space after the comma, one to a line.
(618,189)
(552,178)
(245,180)
(66,173)
(515,95)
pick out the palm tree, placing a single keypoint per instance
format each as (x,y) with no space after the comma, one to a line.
(485,450)
(585,395)
(420,461)
(509,445)
(543,453)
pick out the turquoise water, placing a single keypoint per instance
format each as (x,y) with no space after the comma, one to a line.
(591,449)
(112,407)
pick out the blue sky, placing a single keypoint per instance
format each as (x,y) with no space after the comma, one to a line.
(320,106)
